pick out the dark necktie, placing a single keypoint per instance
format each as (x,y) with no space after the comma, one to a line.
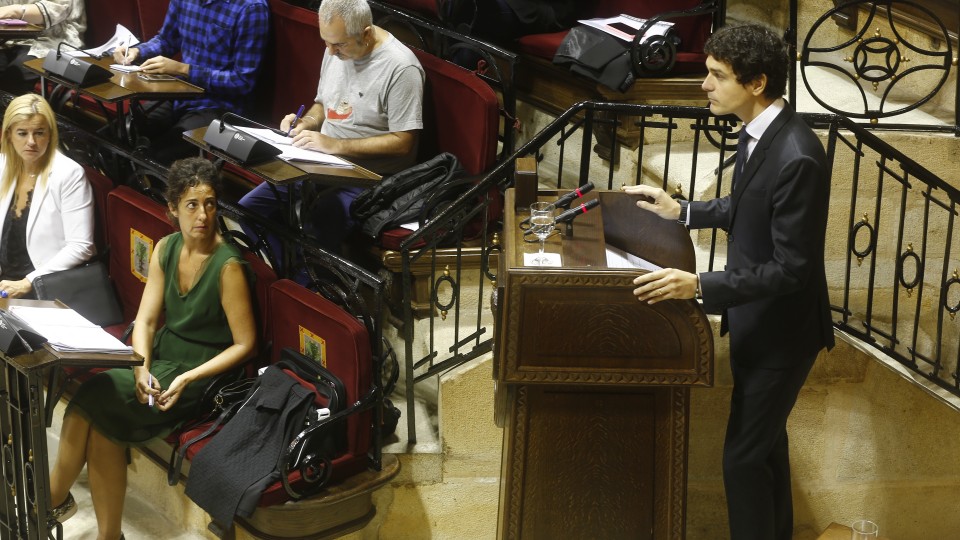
(742,140)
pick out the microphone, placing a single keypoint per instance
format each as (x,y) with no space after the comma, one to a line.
(567,198)
(223,123)
(72,70)
(568,215)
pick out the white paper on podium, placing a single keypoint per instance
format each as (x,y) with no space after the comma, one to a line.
(552,259)
(122,36)
(617,258)
(68,331)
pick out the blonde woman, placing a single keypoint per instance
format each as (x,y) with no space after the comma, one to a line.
(46,203)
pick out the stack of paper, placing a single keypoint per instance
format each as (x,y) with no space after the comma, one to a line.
(67,331)
(292,153)
(122,37)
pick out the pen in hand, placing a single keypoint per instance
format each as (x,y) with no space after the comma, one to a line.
(296,118)
(150,385)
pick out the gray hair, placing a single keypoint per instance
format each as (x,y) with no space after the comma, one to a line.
(355,14)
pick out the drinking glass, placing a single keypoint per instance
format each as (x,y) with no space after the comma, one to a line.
(864,530)
(542,216)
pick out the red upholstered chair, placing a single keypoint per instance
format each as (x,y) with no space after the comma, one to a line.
(693,31)
(137,223)
(101,28)
(102,186)
(427,8)
(151,14)
(293,69)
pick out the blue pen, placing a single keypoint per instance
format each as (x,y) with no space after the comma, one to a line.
(150,396)
(296,119)
(3,294)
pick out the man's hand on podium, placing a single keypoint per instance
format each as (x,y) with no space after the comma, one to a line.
(665,284)
(655,200)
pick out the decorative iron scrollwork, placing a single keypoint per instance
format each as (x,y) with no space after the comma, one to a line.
(871,241)
(879,54)
(454,292)
(954,280)
(901,262)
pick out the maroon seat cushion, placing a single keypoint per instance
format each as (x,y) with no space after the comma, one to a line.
(101,188)
(292,70)
(427,8)
(101,28)
(151,15)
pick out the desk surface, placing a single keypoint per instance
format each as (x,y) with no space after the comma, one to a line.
(122,86)
(25,31)
(47,356)
(280,172)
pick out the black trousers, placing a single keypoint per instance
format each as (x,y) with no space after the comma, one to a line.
(163,128)
(15,78)
(756,458)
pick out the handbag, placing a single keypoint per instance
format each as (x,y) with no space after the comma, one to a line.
(86,289)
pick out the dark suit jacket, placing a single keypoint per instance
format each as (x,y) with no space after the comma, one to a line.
(773,291)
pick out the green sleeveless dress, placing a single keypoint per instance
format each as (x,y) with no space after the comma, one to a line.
(195,331)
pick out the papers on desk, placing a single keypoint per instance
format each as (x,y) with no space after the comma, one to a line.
(625,26)
(617,258)
(67,331)
(121,36)
(292,153)
(125,69)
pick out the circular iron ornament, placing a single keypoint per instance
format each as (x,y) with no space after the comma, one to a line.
(29,483)
(872,239)
(877,47)
(896,53)
(731,133)
(8,468)
(653,56)
(901,262)
(453,292)
(954,280)
(316,470)
(487,271)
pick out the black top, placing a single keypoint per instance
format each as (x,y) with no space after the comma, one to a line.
(15,262)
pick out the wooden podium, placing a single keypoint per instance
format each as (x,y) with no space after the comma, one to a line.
(593,385)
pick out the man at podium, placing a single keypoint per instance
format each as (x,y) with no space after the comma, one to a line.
(772,293)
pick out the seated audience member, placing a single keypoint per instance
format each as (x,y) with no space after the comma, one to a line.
(198,285)
(368,109)
(221,44)
(46,203)
(63,21)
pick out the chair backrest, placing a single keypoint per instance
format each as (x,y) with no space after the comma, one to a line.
(264,277)
(318,328)
(137,223)
(461,115)
(102,186)
(101,28)
(151,14)
(293,64)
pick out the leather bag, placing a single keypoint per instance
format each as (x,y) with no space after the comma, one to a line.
(86,289)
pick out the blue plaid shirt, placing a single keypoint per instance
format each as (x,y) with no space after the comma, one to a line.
(223,41)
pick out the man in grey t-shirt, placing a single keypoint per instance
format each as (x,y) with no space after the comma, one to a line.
(368,110)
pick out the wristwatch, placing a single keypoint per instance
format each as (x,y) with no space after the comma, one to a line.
(683,212)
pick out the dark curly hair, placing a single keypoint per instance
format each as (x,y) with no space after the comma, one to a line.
(752,50)
(188,173)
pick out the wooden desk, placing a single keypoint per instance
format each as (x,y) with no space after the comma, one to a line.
(281,173)
(122,87)
(25,497)
(25,31)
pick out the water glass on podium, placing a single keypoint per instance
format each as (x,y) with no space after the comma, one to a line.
(864,530)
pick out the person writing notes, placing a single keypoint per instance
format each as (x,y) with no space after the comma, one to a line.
(221,44)
(46,203)
(368,110)
(62,21)
(196,285)
(772,293)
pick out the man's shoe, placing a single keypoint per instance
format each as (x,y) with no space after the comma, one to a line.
(66,510)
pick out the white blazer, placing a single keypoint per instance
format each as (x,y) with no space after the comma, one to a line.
(60,223)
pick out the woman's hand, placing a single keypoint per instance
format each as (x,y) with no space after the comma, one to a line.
(146,386)
(169,397)
(16,289)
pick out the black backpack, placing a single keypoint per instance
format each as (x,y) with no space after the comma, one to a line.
(410,195)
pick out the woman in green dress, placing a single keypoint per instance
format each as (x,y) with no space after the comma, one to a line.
(197,282)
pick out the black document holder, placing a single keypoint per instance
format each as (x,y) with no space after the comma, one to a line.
(16,336)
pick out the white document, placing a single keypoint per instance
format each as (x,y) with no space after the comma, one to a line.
(621,25)
(125,69)
(122,36)
(617,258)
(68,331)
(292,153)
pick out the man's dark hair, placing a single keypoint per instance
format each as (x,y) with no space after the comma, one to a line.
(188,173)
(752,50)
